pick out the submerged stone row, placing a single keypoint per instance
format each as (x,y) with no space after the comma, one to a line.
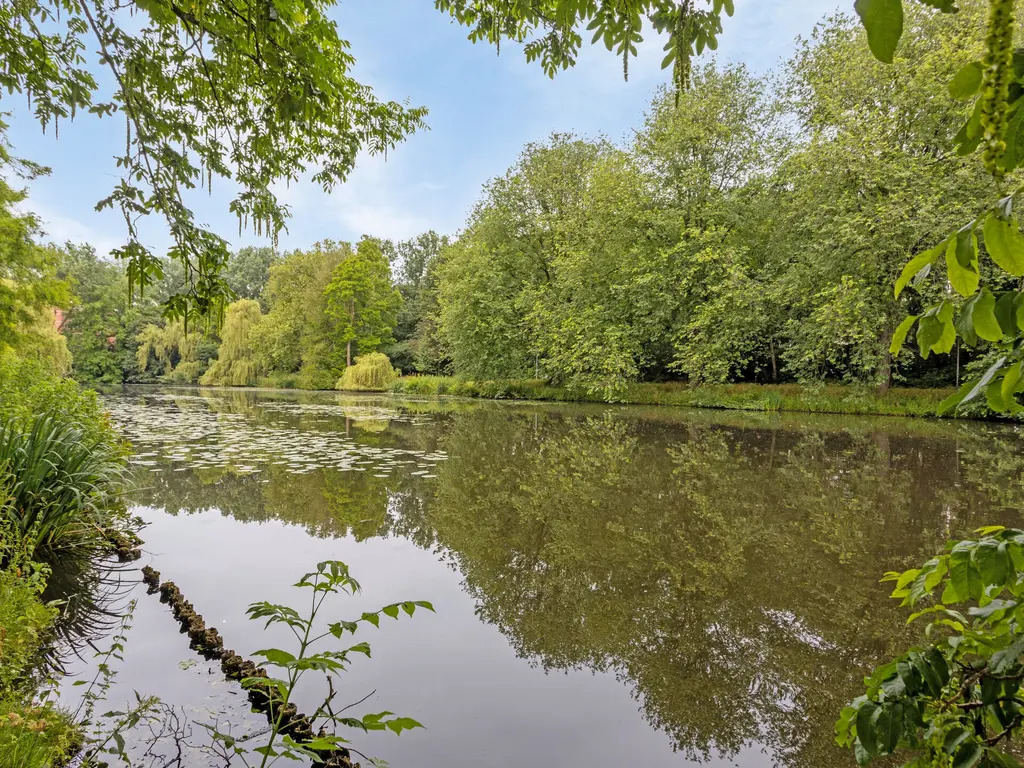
(210,645)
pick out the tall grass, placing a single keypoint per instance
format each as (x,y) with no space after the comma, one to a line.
(64,486)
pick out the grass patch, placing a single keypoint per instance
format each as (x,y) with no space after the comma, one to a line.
(839,399)
(31,735)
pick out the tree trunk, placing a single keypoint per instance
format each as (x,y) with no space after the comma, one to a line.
(775,364)
(886,366)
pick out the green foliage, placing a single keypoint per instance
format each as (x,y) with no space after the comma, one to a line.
(552,33)
(171,351)
(298,337)
(955,699)
(418,345)
(64,486)
(27,389)
(739,397)
(30,285)
(372,372)
(237,364)
(330,578)
(254,94)
(248,271)
(36,736)
(24,624)
(361,300)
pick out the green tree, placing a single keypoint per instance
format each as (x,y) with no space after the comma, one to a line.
(255,93)
(870,185)
(248,271)
(237,363)
(30,283)
(298,336)
(416,344)
(361,300)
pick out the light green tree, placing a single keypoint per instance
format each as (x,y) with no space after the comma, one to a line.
(238,363)
(362,303)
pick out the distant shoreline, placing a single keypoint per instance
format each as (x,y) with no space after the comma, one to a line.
(838,399)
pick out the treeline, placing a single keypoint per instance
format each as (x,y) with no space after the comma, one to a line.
(751,229)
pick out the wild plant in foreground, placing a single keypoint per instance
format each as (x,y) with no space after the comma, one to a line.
(309,738)
(64,488)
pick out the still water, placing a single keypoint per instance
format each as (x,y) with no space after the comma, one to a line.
(613,585)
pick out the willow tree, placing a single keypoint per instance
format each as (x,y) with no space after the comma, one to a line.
(362,301)
(237,364)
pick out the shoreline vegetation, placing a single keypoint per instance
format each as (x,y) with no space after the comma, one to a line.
(836,399)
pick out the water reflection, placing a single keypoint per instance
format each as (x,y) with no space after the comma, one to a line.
(725,568)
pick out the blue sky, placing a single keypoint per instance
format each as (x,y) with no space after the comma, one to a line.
(483,109)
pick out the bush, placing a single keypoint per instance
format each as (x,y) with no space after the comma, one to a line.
(36,736)
(64,486)
(371,373)
(24,623)
(28,388)
(954,699)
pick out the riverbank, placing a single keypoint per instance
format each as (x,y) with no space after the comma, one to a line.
(836,399)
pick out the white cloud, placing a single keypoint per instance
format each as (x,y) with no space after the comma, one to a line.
(60,229)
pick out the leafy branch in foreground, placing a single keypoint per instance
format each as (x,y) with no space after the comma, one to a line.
(244,90)
(308,738)
(956,700)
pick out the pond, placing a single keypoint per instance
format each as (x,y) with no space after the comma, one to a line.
(612,584)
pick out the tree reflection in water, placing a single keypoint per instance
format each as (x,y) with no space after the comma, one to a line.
(725,567)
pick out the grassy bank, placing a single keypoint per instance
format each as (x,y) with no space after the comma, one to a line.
(33,733)
(844,399)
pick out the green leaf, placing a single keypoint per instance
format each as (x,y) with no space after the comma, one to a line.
(935,331)
(962,262)
(978,318)
(899,336)
(888,727)
(948,404)
(969,136)
(400,724)
(983,382)
(391,610)
(1014,140)
(373,618)
(967,81)
(276,656)
(1005,244)
(866,727)
(928,674)
(967,756)
(1010,386)
(963,573)
(1006,312)
(883,22)
(1007,659)
(916,264)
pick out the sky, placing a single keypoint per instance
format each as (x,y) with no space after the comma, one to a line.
(484,108)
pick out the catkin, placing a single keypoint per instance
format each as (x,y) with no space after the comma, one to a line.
(996,85)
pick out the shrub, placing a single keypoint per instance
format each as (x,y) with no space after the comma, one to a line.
(371,373)
(24,622)
(36,736)
(28,388)
(953,699)
(64,486)
(186,372)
